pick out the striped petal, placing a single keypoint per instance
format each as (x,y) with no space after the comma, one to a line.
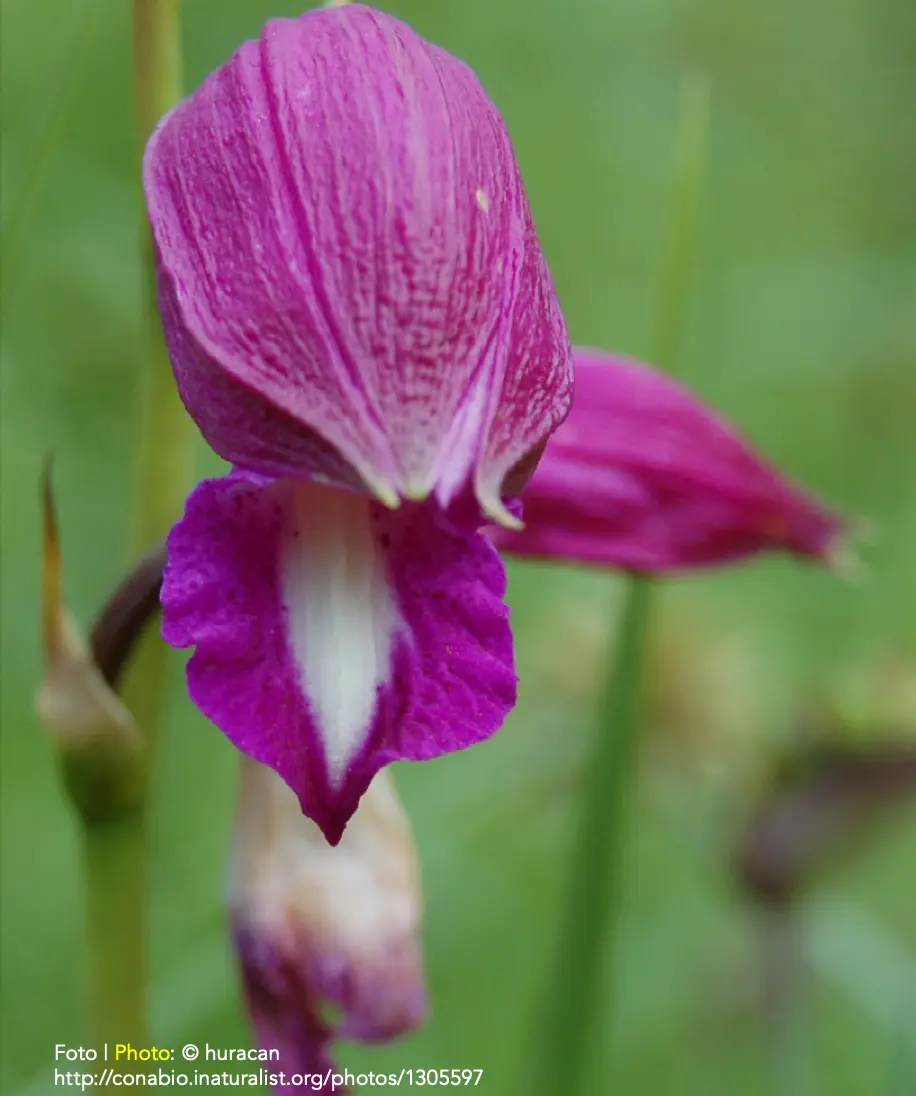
(350,279)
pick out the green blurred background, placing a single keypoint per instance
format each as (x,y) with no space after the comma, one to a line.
(802,328)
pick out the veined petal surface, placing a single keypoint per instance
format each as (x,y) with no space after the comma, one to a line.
(344,241)
(642,476)
(334,636)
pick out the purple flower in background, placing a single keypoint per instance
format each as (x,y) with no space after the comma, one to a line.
(361,320)
(319,928)
(643,477)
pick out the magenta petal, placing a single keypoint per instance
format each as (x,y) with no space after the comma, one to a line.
(239,420)
(334,636)
(642,476)
(536,388)
(349,272)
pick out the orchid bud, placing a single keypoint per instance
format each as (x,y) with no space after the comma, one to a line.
(642,476)
(321,928)
(100,746)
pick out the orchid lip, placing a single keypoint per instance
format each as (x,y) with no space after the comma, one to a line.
(333,635)
(341,619)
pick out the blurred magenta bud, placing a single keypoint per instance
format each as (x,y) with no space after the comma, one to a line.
(644,477)
(350,279)
(328,937)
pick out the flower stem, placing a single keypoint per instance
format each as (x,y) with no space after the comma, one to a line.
(166,450)
(689,172)
(157,62)
(116,845)
(578,994)
(116,878)
(166,439)
(594,890)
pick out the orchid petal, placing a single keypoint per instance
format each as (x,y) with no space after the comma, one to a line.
(642,476)
(350,279)
(334,636)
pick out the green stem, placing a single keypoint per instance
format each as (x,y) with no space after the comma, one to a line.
(165,448)
(157,62)
(166,445)
(116,847)
(574,1001)
(782,970)
(593,899)
(690,167)
(116,875)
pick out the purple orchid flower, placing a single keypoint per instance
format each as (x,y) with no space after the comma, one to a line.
(361,320)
